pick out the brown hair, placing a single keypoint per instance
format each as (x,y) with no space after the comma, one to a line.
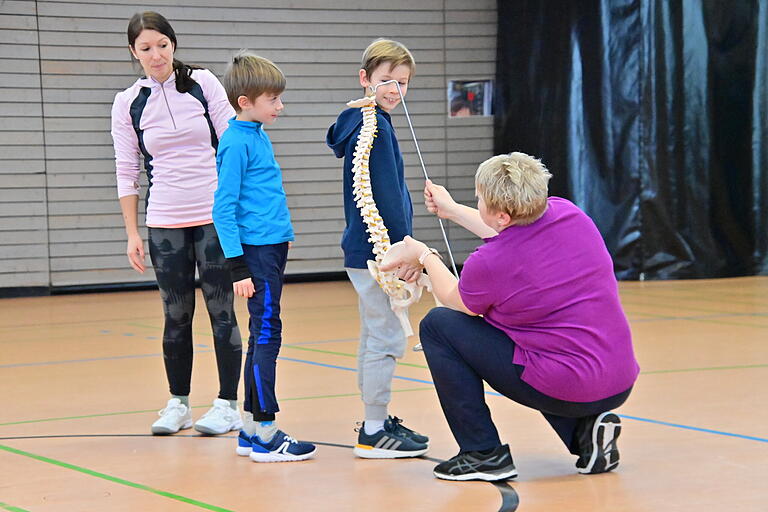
(386,50)
(251,76)
(150,20)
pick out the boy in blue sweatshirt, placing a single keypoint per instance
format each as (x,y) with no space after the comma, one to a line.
(250,213)
(382,340)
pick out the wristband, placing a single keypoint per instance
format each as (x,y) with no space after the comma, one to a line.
(238,269)
(427,252)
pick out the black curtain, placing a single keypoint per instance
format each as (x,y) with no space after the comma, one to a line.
(652,116)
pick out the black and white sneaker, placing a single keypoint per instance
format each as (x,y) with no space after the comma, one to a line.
(497,465)
(597,438)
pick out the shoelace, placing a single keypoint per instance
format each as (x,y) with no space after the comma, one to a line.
(176,408)
(217,410)
(398,424)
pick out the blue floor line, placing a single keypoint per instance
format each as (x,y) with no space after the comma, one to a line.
(697,429)
(493,393)
(409,379)
(345,340)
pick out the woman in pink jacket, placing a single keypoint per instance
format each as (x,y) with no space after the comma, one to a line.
(172,119)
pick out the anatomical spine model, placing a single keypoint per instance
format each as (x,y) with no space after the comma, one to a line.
(401,294)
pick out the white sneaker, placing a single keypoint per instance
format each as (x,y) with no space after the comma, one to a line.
(174,417)
(219,419)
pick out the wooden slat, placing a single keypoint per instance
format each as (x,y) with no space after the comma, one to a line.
(85,62)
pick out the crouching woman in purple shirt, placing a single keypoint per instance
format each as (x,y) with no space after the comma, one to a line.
(535,314)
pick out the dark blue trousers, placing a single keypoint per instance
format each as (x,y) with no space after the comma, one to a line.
(462,351)
(267,265)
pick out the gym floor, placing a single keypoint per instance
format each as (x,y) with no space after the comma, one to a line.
(81,379)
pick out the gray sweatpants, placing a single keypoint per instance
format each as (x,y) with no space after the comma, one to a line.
(382,341)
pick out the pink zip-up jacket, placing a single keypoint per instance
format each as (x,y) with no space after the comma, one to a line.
(171,132)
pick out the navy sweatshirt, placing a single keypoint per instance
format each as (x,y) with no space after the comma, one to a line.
(390,191)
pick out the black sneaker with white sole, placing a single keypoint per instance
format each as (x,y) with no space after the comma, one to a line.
(497,465)
(597,437)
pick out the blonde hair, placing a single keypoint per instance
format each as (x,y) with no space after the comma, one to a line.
(515,184)
(386,50)
(251,76)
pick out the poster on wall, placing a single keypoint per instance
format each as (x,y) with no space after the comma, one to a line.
(468,98)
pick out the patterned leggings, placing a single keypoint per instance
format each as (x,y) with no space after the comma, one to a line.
(174,253)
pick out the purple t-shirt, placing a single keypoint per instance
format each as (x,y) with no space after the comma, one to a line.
(550,287)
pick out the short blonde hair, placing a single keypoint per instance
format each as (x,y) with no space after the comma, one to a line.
(386,50)
(251,76)
(515,184)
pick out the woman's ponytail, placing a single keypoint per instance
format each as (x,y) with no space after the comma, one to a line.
(184,80)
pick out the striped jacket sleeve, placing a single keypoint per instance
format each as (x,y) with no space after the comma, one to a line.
(127,155)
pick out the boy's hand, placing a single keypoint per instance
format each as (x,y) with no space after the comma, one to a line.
(241,276)
(244,288)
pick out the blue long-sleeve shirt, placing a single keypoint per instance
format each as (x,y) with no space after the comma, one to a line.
(249,206)
(390,191)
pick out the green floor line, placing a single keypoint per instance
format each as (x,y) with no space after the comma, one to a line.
(706,369)
(719,298)
(312,397)
(677,307)
(6,506)
(114,479)
(60,323)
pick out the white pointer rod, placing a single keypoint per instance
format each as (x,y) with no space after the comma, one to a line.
(423,167)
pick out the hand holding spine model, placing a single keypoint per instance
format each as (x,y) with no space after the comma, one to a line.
(401,294)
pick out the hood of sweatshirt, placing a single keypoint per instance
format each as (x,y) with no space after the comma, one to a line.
(346,125)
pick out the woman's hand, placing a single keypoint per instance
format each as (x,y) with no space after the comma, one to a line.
(408,273)
(244,288)
(407,260)
(438,200)
(135,252)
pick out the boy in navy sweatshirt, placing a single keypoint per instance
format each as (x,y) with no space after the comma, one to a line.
(251,216)
(382,340)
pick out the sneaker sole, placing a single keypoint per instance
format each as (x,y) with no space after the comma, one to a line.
(369,452)
(486,477)
(279,457)
(164,431)
(211,432)
(602,461)
(243,451)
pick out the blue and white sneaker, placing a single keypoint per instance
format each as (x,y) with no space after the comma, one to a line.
(282,448)
(397,423)
(244,444)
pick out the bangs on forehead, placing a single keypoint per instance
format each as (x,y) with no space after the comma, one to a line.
(385,51)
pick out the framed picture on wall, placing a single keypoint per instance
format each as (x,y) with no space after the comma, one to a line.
(470,98)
